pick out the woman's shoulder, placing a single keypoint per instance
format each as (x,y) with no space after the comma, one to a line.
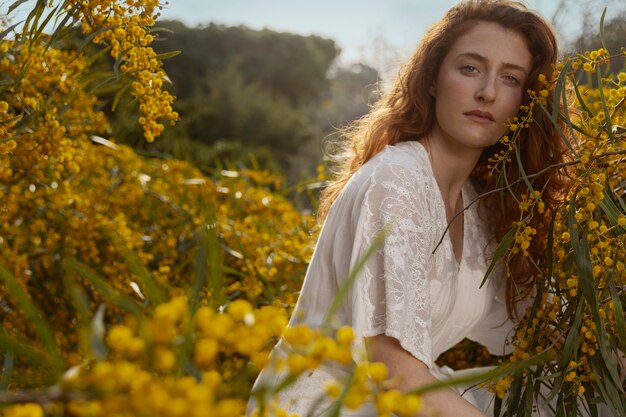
(401,170)
(402,161)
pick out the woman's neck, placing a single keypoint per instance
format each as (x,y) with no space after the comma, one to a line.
(451,168)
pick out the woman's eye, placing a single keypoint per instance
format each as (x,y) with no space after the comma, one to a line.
(469,68)
(511,80)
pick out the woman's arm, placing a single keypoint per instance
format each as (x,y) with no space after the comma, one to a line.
(409,373)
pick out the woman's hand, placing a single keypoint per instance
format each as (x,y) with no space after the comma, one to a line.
(407,373)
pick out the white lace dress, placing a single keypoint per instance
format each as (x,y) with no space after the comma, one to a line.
(426,300)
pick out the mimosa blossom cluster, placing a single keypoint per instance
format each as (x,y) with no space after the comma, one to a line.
(578,315)
(125,27)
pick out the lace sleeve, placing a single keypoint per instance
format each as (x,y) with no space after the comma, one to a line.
(391,295)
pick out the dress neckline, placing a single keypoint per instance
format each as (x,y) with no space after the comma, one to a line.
(442,212)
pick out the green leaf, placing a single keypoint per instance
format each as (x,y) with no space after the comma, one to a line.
(497,406)
(568,122)
(145,280)
(118,62)
(61,26)
(23,349)
(550,246)
(618,313)
(559,89)
(207,273)
(7,368)
(526,401)
(9,120)
(523,174)
(157,29)
(15,5)
(91,36)
(587,287)
(90,330)
(621,202)
(560,93)
(608,125)
(109,85)
(167,55)
(487,373)
(80,302)
(208,266)
(536,305)
(32,21)
(612,212)
(5,32)
(602,41)
(93,74)
(557,128)
(503,246)
(608,391)
(103,287)
(34,316)
(120,93)
(581,101)
(41,28)
(570,347)
(593,408)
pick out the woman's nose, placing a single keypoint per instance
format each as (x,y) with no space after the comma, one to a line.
(486,91)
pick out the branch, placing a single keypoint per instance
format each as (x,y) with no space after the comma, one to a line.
(536,174)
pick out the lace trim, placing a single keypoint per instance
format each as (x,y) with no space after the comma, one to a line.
(396,291)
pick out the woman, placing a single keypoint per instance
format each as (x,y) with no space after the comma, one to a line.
(414,163)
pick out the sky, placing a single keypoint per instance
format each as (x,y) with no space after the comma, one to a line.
(365,30)
(381,33)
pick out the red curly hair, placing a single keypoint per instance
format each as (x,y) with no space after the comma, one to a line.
(407,113)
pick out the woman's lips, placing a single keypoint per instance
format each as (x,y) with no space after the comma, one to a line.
(480,116)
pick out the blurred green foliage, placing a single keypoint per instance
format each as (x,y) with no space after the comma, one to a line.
(245,95)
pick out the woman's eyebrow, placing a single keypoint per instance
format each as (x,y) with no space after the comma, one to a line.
(482,59)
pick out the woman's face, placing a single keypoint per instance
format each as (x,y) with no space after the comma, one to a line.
(480,86)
